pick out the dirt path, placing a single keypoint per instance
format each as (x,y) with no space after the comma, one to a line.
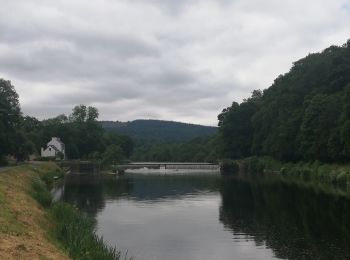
(2,169)
(24,225)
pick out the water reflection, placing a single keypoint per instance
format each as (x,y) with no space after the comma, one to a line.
(297,222)
(90,192)
(208,217)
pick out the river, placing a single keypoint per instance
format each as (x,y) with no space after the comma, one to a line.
(205,216)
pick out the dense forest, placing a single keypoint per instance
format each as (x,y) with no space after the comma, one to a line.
(158,140)
(200,149)
(159,130)
(304,115)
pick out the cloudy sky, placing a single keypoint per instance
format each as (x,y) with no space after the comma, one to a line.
(182,60)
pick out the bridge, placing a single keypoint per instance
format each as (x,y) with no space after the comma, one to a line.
(170,165)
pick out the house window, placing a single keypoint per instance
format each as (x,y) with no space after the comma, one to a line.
(50,149)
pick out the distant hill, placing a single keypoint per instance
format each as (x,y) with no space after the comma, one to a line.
(158,130)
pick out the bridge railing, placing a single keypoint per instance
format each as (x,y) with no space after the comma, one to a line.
(191,167)
(171,166)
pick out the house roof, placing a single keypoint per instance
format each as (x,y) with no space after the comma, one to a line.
(54,147)
(57,139)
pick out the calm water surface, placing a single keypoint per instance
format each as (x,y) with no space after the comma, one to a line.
(190,217)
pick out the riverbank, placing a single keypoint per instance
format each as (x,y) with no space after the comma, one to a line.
(31,226)
(334,174)
(24,224)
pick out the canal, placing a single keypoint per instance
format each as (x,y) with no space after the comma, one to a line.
(205,216)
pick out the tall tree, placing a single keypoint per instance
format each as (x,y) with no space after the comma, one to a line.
(10,117)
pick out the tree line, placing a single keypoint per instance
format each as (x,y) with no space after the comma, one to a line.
(84,138)
(303,115)
(159,131)
(200,149)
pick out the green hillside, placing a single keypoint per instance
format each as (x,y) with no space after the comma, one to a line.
(158,130)
(304,115)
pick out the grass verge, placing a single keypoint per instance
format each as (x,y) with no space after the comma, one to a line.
(77,234)
(23,222)
(74,231)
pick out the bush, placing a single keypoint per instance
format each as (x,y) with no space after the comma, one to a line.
(76,231)
(229,167)
(255,167)
(305,173)
(40,192)
(342,178)
(48,177)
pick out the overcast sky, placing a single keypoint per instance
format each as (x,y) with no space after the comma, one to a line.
(182,60)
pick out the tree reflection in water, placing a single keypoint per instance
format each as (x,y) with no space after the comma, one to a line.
(296,222)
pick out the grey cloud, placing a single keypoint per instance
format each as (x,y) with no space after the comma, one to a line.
(167,77)
(118,46)
(175,60)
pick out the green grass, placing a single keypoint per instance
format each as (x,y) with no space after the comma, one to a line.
(74,231)
(77,234)
(12,226)
(47,175)
(41,193)
(8,220)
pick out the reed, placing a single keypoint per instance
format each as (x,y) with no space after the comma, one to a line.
(40,193)
(77,234)
(72,229)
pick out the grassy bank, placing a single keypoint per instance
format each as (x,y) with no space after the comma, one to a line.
(65,229)
(335,174)
(24,224)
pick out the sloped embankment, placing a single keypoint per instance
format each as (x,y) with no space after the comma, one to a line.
(24,224)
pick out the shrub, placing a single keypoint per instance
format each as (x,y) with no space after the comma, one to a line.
(229,167)
(40,192)
(76,231)
(341,178)
(305,173)
(255,166)
(48,177)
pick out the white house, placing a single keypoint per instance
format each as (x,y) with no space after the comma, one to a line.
(54,148)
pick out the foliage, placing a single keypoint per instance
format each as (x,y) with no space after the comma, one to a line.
(77,234)
(304,115)
(74,230)
(235,123)
(12,139)
(229,167)
(159,131)
(112,155)
(49,176)
(82,113)
(196,150)
(40,192)
(316,172)
(83,136)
